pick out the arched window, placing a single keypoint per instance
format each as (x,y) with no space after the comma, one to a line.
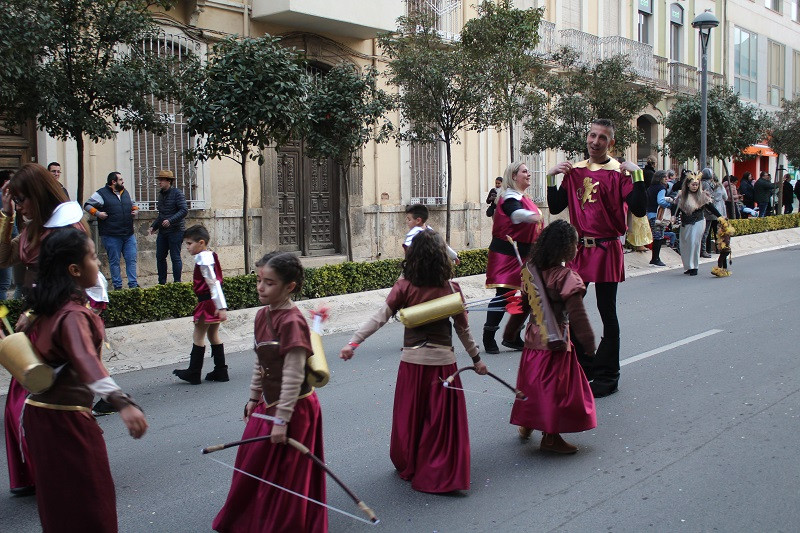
(151,153)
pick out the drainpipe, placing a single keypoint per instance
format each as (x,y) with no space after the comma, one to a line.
(378,242)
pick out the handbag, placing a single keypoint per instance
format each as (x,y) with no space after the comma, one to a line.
(663,216)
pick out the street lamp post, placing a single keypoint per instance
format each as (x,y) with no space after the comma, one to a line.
(704,22)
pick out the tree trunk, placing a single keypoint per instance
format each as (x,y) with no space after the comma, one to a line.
(245,217)
(345,169)
(449,188)
(511,139)
(79,144)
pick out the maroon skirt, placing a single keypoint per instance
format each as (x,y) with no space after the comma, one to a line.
(204,312)
(503,271)
(254,506)
(74,488)
(559,397)
(430,437)
(20,471)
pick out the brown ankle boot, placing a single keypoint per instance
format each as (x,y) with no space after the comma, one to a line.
(525,433)
(552,442)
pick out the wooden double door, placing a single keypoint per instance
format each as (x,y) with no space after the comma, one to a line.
(17,145)
(308,196)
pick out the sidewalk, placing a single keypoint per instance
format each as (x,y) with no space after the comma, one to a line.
(167,342)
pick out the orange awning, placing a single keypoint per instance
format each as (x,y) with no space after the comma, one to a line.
(759,149)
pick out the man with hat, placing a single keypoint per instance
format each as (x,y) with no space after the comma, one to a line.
(169,225)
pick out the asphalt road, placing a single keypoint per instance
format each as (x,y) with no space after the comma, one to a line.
(702,435)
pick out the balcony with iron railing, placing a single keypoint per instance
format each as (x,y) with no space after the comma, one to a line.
(585,44)
(349,18)
(639,54)
(547,40)
(683,78)
(660,76)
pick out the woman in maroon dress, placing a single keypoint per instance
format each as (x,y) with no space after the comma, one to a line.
(279,388)
(430,438)
(559,397)
(517,217)
(74,488)
(34,194)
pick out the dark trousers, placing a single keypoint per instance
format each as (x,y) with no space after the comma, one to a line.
(604,367)
(169,243)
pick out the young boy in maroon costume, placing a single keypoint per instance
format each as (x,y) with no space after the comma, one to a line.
(430,439)
(74,488)
(598,196)
(211,309)
(278,388)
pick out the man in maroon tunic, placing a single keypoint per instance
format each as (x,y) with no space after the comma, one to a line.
(598,195)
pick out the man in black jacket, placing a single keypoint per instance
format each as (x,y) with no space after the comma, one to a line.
(114,209)
(169,225)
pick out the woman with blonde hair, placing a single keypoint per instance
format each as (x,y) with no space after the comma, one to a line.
(693,203)
(518,217)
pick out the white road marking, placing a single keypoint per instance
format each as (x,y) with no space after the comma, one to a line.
(669,346)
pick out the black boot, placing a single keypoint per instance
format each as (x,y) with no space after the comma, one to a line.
(512,337)
(220,372)
(192,374)
(656,258)
(489,344)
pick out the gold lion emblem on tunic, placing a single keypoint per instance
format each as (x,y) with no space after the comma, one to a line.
(587,191)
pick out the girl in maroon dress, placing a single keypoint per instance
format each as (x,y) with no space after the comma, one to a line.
(210,311)
(279,388)
(430,438)
(559,397)
(74,488)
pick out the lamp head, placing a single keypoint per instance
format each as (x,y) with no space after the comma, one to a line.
(705,21)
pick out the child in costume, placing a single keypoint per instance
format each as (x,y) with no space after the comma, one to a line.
(211,309)
(279,388)
(416,220)
(559,396)
(74,488)
(430,438)
(724,233)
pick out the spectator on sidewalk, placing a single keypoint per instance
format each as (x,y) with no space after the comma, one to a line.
(649,171)
(491,198)
(747,191)
(797,189)
(55,169)
(169,224)
(657,197)
(788,194)
(115,212)
(713,187)
(762,192)
(6,274)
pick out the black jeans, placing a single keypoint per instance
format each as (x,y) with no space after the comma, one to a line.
(604,367)
(169,243)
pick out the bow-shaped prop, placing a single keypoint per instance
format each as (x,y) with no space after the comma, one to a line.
(447,383)
(314,459)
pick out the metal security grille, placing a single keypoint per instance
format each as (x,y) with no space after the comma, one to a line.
(428,178)
(446,12)
(535,163)
(151,153)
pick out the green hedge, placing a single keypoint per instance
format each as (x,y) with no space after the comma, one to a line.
(175,300)
(749,226)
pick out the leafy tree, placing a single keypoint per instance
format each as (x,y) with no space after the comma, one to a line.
(250,95)
(559,113)
(732,126)
(79,68)
(499,43)
(784,137)
(439,95)
(345,108)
